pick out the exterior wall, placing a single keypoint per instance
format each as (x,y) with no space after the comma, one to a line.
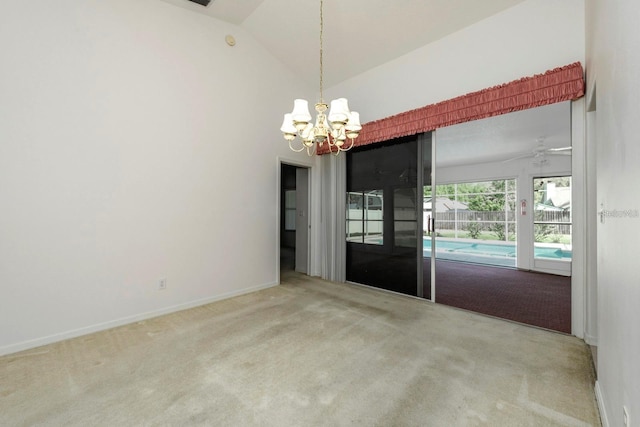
(136,145)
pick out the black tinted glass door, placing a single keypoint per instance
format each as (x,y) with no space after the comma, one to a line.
(384,209)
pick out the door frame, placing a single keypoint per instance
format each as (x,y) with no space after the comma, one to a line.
(297,163)
(592,219)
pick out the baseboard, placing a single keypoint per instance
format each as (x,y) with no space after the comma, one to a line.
(38,342)
(601,408)
(591,340)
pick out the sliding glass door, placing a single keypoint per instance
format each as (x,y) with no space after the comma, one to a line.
(385,214)
(428,217)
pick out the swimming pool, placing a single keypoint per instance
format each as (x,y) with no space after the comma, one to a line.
(503,253)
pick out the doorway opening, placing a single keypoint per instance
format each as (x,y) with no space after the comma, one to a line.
(294,218)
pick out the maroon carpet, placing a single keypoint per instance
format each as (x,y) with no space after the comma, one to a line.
(533,298)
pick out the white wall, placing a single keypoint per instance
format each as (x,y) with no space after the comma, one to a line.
(134,145)
(526,39)
(613,67)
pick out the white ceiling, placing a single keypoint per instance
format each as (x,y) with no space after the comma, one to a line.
(362,34)
(505,137)
(358,34)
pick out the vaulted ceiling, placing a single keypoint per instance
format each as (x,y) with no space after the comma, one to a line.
(363,34)
(358,34)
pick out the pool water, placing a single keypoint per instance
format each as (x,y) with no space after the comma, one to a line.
(498,249)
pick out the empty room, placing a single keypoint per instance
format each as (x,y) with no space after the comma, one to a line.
(319,212)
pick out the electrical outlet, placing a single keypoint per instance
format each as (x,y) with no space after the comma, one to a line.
(625,417)
(162,284)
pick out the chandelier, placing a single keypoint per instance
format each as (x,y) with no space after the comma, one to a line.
(341,124)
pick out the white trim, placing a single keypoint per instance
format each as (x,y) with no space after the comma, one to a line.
(592,94)
(591,227)
(434,182)
(561,268)
(601,406)
(591,340)
(27,345)
(579,219)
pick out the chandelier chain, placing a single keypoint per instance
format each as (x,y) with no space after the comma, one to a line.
(321,49)
(338,132)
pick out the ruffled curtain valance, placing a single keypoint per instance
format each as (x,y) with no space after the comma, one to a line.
(557,85)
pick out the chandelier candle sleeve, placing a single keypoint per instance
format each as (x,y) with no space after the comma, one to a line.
(300,114)
(339,114)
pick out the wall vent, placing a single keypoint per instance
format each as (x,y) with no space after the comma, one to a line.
(201,2)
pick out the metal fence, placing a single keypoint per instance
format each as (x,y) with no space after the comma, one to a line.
(486,220)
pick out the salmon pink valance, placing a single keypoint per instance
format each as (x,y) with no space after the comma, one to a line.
(557,85)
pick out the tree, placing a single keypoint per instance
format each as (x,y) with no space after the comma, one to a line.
(490,198)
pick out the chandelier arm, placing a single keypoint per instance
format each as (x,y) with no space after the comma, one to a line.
(350,146)
(330,138)
(312,150)
(332,144)
(296,150)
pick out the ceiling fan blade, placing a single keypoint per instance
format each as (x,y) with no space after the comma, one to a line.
(540,151)
(522,156)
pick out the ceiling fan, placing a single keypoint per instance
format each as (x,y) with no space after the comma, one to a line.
(540,152)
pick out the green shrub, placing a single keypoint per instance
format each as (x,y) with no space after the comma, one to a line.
(498,229)
(474,229)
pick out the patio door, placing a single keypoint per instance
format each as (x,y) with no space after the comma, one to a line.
(385,214)
(552,225)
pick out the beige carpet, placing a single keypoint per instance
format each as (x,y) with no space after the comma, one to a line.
(306,353)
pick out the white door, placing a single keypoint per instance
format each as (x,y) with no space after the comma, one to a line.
(302,220)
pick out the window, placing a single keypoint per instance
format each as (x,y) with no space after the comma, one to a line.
(365,217)
(552,218)
(474,222)
(474,210)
